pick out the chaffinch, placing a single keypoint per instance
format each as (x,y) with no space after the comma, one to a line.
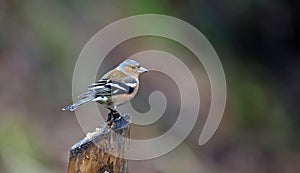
(115,88)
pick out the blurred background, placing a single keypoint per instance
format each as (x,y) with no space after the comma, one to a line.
(256,40)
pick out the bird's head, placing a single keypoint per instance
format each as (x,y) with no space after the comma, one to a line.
(132,68)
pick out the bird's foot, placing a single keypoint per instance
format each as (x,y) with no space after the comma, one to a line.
(113,116)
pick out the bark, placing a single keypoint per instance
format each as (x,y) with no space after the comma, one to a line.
(102,151)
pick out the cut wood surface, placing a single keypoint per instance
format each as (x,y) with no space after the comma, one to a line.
(102,151)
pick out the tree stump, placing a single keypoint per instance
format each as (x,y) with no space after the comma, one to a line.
(103,150)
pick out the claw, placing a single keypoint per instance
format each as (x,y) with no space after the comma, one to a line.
(112,117)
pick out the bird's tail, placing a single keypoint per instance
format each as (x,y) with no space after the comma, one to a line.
(73,106)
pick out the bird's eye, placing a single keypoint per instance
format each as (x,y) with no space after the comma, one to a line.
(133,67)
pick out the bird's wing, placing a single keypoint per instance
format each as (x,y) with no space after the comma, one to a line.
(107,87)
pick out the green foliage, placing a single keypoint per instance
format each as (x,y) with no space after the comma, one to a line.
(144,7)
(19,149)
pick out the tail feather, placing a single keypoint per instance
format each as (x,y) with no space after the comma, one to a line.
(86,94)
(73,106)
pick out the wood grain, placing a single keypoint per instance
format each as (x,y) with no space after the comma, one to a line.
(102,151)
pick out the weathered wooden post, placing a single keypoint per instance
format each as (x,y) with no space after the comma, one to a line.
(92,154)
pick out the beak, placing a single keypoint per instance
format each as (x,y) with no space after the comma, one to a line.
(142,70)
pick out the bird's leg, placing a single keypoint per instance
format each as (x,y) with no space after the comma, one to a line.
(115,114)
(109,117)
(112,116)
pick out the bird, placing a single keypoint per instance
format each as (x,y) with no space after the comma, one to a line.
(113,89)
